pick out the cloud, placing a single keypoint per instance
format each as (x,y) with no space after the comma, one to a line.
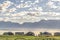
(36,8)
(20,6)
(5,5)
(27,4)
(2,9)
(55,0)
(36,1)
(12,10)
(32,17)
(13,14)
(22,1)
(51,4)
(24,5)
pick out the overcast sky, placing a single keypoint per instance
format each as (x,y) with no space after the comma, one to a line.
(29,13)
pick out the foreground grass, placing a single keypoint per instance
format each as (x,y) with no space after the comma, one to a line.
(19,37)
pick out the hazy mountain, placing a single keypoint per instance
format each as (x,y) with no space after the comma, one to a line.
(42,24)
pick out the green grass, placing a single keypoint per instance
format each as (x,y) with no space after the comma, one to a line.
(19,37)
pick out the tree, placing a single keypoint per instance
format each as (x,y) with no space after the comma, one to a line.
(45,34)
(30,34)
(8,33)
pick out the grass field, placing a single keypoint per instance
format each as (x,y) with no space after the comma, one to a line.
(6,37)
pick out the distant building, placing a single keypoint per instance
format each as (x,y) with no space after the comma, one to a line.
(57,34)
(19,33)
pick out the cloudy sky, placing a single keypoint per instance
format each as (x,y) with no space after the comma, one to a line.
(29,14)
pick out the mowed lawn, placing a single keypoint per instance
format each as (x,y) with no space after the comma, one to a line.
(18,37)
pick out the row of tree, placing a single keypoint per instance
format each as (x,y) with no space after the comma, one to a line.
(32,33)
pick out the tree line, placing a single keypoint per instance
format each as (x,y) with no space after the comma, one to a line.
(32,33)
